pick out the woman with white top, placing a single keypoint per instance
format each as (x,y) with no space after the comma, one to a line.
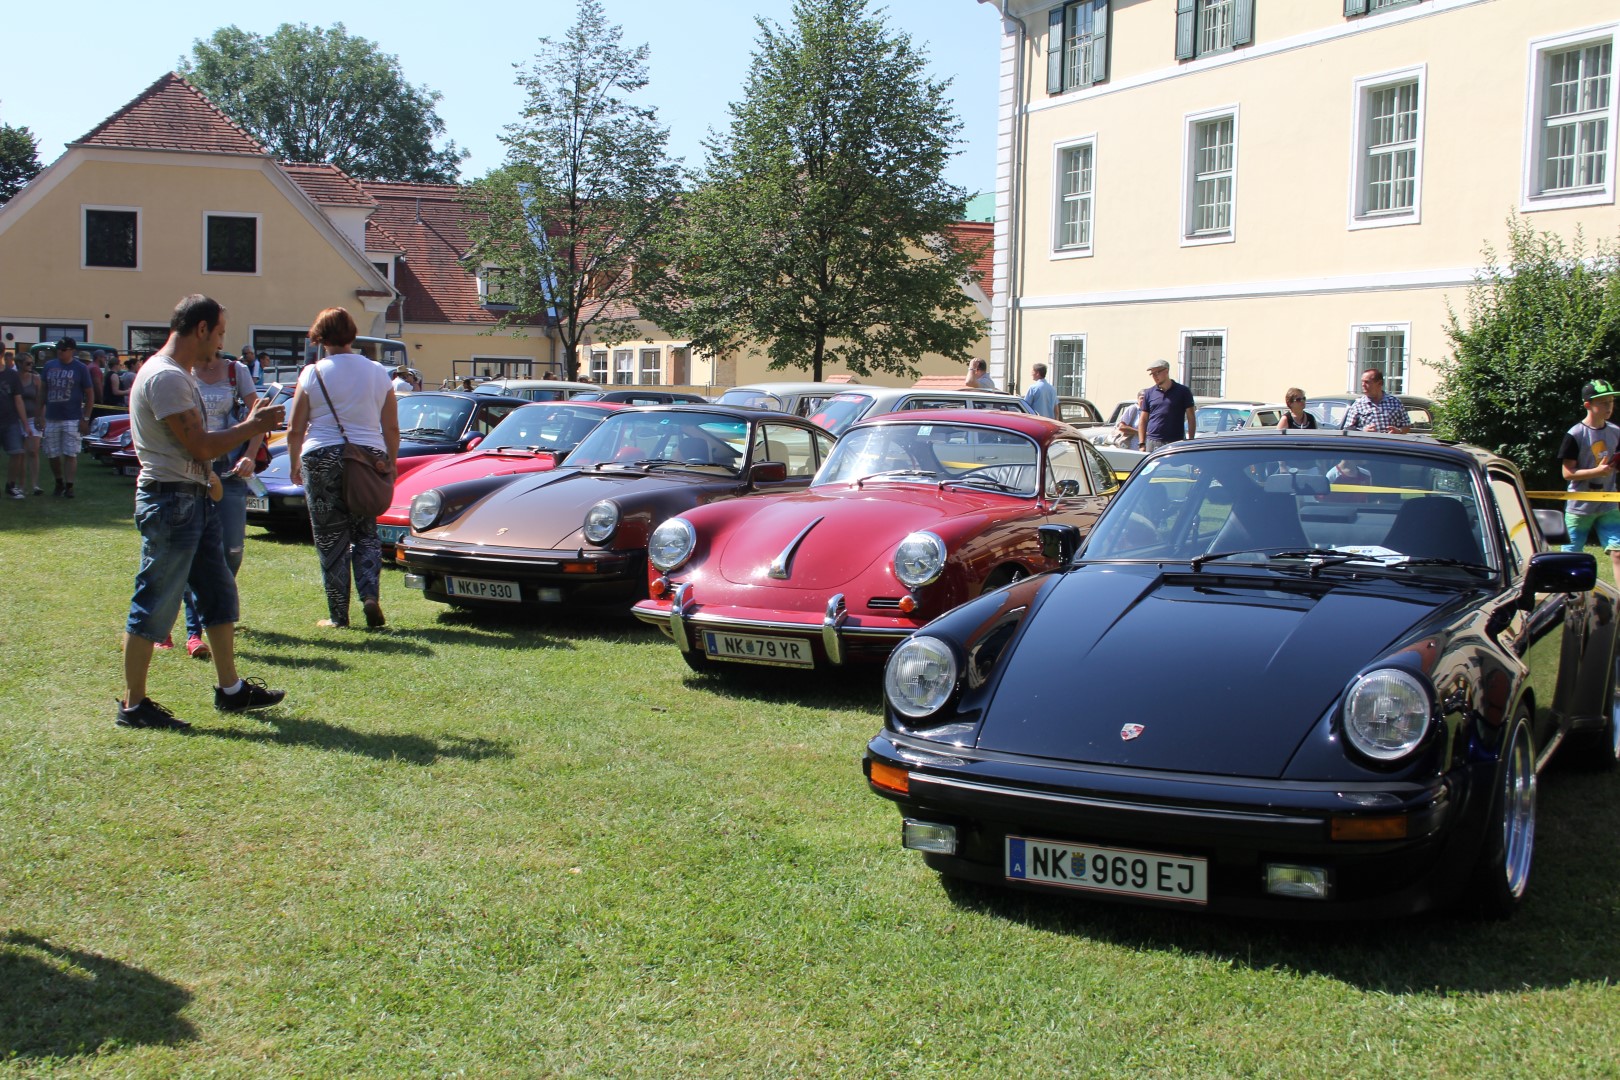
(341,397)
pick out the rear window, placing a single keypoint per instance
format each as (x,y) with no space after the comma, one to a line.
(751,399)
(841,410)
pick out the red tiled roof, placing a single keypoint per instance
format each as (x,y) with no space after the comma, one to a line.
(327,185)
(429,223)
(380,240)
(981,234)
(172,114)
(941,382)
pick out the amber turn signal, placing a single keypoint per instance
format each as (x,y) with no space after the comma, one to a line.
(908,604)
(1369,828)
(658,588)
(890,778)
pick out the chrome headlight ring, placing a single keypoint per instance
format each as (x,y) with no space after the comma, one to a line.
(425,509)
(672,544)
(921,676)
(600,522)
(919,560)
(1387,713)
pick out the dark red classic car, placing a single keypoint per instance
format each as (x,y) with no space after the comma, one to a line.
(913,514)
(578,535)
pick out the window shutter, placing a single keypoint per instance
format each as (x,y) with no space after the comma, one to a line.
(1099,42)
(1355,7)
(1054,50)
(1186,24)
(1243,23)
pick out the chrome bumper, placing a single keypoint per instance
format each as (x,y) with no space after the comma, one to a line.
(835,634)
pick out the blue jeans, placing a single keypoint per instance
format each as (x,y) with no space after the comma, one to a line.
(181,544)
(232,511)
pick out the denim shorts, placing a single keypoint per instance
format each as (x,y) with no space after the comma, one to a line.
(1607,524)
(181,544)
(11,439)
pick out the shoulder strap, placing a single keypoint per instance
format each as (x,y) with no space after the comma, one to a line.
(333,409)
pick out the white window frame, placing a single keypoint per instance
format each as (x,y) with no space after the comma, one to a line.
(1360,216)
(84,236)
(1184,361)
(642,370)
(1353,358)
(1531,197)
(1052,364)
(1201,27)
(258,243)
(1189,185)
(505,360)
(598,366)
(483,284)
(1059,150)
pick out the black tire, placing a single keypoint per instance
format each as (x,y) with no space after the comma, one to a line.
(1598,750)
(1502,875)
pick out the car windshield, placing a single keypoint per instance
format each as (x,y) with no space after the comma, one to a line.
(935,453)
(545,427)
(1328,413)
(841,410)
(1310,505)
(708,441)
(432,418)
(750,399)
(1213,418)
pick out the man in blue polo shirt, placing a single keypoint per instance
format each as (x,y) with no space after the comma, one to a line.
(1167,410)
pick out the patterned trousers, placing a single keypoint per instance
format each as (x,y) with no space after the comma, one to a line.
(346,543)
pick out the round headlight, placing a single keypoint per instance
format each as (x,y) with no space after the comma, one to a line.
(920,676)
(671,544)
(1387,713)
(919,559)
(425,509)
(125,439)
(98,430)
(600,521)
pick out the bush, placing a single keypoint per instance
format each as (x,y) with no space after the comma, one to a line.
(1537,328)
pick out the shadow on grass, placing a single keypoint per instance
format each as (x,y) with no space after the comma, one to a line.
(856,687)
(283,729)
(61,1002)
(1567,932)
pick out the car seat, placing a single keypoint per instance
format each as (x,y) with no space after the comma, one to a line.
(1261,519)
(1434,527)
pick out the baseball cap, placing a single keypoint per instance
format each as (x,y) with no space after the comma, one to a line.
(67,343)
(1598,388)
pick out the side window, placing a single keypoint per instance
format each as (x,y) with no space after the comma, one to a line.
(824,445)
(1103,480)
(792,446)
(1066,472)
(1521,535)
(1001,404)
(932,403)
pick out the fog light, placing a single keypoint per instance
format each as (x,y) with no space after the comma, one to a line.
(1301,882)
(548,595)
(415,581)
(296,500)
(928,836)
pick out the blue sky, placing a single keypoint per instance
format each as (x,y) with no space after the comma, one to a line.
(699,58)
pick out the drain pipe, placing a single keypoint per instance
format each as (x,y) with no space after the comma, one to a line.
(1015,202)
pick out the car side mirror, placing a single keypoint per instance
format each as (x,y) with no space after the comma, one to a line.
(1060,542)
(1553,529)
(1557,572)
(1067,489)
(767,472)
(472,443)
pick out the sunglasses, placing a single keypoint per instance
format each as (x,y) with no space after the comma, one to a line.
(1296,399)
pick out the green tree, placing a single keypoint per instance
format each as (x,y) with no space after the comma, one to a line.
(585,185)
(1536,328)
(319,95)
(19,160)
(820,228)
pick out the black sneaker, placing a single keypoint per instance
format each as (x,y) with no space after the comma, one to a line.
(253,695)
(149,714)
(68,493)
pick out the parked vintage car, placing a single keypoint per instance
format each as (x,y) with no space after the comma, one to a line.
(536,389)
(841,410)
(1329,409)
(534,438)
(1079,412)
(108,434)
(578,535)
(1214,417)
(642,395)
(1252,692)
(913,514)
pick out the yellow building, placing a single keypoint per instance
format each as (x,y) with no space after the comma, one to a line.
(169,197)
(1275,193)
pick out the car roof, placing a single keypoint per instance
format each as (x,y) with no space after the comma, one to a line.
(1354,440)
(605,406)
(795,387)
(741,412)
(469,395)
(1024,423)
(527,384)
(891,393)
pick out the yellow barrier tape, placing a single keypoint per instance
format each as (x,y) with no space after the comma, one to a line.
(1575,496)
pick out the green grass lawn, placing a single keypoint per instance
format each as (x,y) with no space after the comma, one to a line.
(467,847)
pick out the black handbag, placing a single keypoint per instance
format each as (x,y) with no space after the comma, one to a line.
(368,481)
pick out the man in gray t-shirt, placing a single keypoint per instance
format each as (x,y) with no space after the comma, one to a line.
(182,542)
(1588,456)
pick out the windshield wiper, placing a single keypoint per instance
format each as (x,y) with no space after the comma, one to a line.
(1326,556)
(419,431)
(976,481)
(924,473)
(1462,564)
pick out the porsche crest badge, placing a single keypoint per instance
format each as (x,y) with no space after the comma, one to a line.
(1131,731)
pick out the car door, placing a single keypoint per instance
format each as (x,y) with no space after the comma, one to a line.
(1078,484)
(1549,637)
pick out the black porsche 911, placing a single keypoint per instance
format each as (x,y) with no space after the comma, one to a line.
(1288,674)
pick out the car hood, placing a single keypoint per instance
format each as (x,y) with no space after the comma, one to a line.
(849,529)
(1227,674)
(547,510)
(468,466)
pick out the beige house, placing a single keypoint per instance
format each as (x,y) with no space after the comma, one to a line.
(168,197)
(1274,193)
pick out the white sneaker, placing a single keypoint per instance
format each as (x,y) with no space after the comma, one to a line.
(15,492)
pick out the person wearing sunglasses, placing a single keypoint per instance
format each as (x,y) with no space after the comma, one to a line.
(1295,418)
